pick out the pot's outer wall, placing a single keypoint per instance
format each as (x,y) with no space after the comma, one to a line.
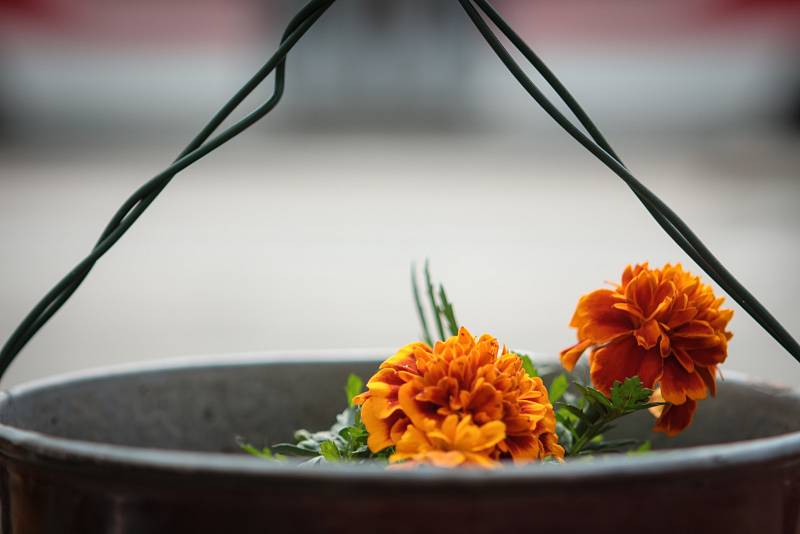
(49,484)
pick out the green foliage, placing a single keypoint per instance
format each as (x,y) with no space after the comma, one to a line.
(558,387)
(346,441)
(527,364)
(630,395)
(426,333)
(330,451)
(582,421)
(643,448)
(265,453)
(446,309)
(441,309)
(353,387)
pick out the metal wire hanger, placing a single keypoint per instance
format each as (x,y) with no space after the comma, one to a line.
(480,12)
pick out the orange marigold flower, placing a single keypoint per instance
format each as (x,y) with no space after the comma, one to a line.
(662,325)
(451,443)
(458,404)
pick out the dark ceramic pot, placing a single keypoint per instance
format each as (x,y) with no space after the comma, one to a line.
(152,449)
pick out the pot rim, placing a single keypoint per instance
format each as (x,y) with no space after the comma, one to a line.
(27,445)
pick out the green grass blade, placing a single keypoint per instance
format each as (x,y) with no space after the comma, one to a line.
(447,311)
(432,296)
(420,311)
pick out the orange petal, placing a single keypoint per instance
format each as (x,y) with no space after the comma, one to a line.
(665,298)
(680,317)
(631,271)
(663,309)
(361,398)
(446,460)
(399,428)
(664,347)
(684,359)
(491,434)
(404,358)
(694,329)
(598,320)
(647,335)
(480,460)
(708,374)
(623,359)
(641,290)
(412,442)
(630,309)
(418,412)
(379,435)
(721,321)
(570,356)
(675,418)
(711,355)
(523,449)
(677,384)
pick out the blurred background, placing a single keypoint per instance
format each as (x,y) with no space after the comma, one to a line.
(401,137)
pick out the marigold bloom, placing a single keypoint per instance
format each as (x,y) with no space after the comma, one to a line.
(458,404)
(662,325)
(452,443)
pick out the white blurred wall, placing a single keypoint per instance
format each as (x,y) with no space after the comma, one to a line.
(300,234)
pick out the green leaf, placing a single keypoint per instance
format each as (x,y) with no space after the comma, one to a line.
(264,453)
(558,387)
(447,310)
(630,394)
(527,364)
(432,298)
(611,445)
(329,451)
(293,450)
(426,333)
(565,436)
(353,433)
(353,387)
(574,411)
(595,397)
(646,446)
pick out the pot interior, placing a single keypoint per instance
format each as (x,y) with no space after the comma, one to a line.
(206,407)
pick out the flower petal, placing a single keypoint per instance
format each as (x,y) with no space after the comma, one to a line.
(694,329)
(677,384)
(418,412)
(675,418)
(405,358)
(378,428)
(598,320)
(570,356)
(621,360)
(709,374)
(641,291)
(684,359)
(648,334)
(712,355)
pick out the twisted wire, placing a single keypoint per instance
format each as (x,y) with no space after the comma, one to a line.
(599,147)
(142,198)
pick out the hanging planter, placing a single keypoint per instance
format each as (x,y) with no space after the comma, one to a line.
(140,449)
(473,438)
